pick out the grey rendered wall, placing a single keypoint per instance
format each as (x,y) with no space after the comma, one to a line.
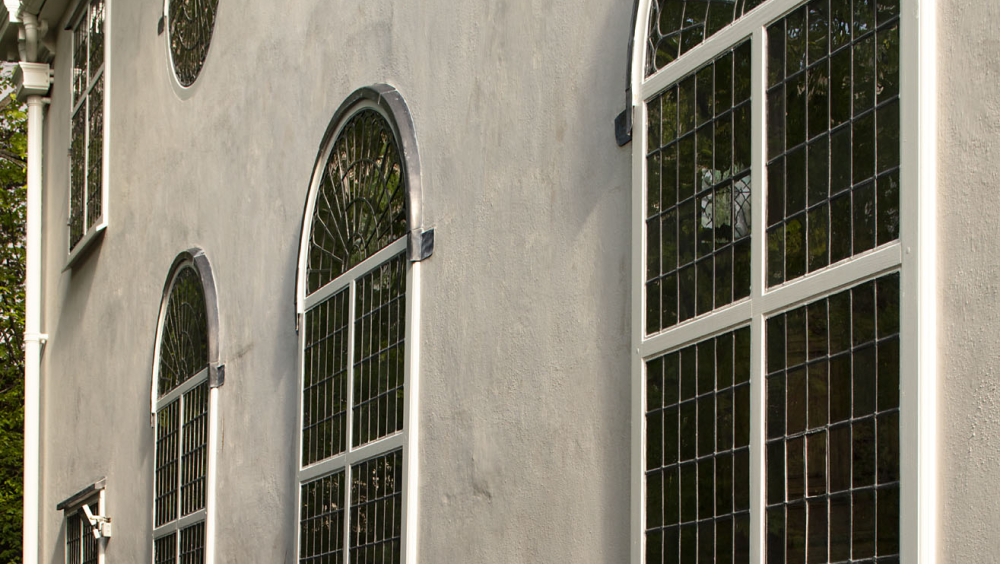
(969,280)
(525,390)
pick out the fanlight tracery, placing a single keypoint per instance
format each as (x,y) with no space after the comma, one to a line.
(184,339)
(360,203)
(191,25)
(676,26)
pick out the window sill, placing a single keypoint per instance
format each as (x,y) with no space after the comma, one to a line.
(83,247)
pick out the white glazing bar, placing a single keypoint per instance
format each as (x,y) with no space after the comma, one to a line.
(758,247)
(359,454)
(638,325)
(842,275)
(210,479)
(724,39)
(191,383)
(411,416)
(697,329)
(359,270)
(918,292)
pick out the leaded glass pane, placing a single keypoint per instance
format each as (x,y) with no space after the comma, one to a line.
(74,533)
(380,307)
(80,58)
(698,452)
(95,152)
(191,25)
(832,457)
(78,168)
(676,26)
(96,37)
(324,394)
(193,544)
(360,206)
(698,219)
(166,473)
(194,452)
(833,135)
(165,549)
(184,342)
(321,520)
(376,510)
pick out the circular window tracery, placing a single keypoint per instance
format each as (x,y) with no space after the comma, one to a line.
(191,25)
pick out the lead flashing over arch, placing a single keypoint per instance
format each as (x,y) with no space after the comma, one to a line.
(420,240)
(199,261)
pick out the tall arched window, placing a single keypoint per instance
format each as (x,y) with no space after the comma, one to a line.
(186,377)
(775,210)
(357,296)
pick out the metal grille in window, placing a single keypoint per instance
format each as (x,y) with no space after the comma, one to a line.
(833,134)
(74,533)
(324,395)
(321,522)
(191,26)
(833,427)
(193,544)
(194,454)
(360,206)
(376,509)
(96,37)
(89,541)
(165,549)
(698,192)
(380,304)
(78,178)
(167,446)
(80,58)
(676,26)
(184,341)
(698,452)
(95,151)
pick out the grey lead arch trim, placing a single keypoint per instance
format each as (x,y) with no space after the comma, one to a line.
(82,495)
(420,240)
(216,371)
(623,122)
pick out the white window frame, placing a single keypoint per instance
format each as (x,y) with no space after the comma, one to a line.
(75,504)
(406,439)
(193,258)
(93,232)
(913,254)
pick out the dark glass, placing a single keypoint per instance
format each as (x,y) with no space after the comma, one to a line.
(689,373)
(742,416)
(741,139)
(819,170)
(775,54)
(887,525)
(689,492)
(864,381)
(706,367)
(775,535)
(741,73)
(669,111)
(888,374)
(840,527)
(775,255)
(724,144)
(863,452)
(706,541)
(689,430)
(887,62)
(795,468)
(741,354)
(741,480)
(818,243)
(671,379)
(775,343)
(775,406)
(706,488)
(686,106)
(796,385)
(654,500)
(887,304)
(840,153)
(864,16)
(887,425)
(863,524)
(819,29)
(706,288)
(816,463)
(886,9)
(864,148)
(887,136)
(671,500)
(840,388)
(654,121)
(741,268)
(863,313)
(654,547)
(687,232)
(817,549)
(724,484)
(654,440)
(689,544)
(840,322)
(776,121)
(653,291)
(795,534)
(776,191)
(795,182)
(840,227)
(887,208)
(864,74)
(724,360)
(817,394)
(723,83)
(668,247)
(795,111)
(686,284)
(724,541)
(705,90)
(723,277)
(840,458)
(795,321)
(775,472)
(706,425)
(671,438)
(653,252)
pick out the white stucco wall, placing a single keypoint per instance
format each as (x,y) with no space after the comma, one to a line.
(969,280)
(525,389)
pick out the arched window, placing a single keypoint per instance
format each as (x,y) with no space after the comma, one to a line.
(186,377)
(358,283)
(769,228)
(190,24)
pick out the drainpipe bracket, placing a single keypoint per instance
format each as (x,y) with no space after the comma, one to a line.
(32,79)
(36,338)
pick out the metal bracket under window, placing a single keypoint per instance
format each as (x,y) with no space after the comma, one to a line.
(420,244)
(100,524)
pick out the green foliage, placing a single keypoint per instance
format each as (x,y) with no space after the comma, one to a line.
(13,147)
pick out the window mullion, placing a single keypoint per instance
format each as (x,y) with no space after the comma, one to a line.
(180,456)
(351,336)
(758,244)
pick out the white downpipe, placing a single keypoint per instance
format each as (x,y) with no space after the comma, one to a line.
(32,334)
(32,306)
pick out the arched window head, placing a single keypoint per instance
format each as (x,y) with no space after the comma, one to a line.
(191,23)
(355,294)
(361,202)
(186,373)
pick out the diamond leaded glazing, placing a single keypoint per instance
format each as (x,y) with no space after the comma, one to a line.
(361,205)
(191,25)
